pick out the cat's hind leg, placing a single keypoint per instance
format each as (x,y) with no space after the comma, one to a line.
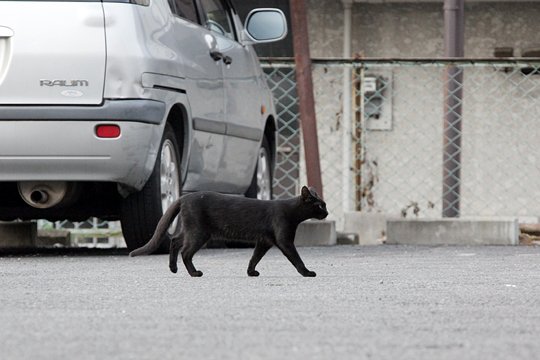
(176,244)
(192,243)
(261,248)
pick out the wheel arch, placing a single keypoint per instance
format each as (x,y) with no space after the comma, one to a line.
(178,118)
(270,133)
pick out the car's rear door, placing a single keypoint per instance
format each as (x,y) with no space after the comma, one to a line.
(52,52)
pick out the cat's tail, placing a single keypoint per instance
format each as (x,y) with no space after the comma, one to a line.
(162,226)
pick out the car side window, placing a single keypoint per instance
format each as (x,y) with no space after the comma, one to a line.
(185,9)
(218,18)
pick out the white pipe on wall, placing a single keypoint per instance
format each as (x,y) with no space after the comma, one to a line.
(347,175)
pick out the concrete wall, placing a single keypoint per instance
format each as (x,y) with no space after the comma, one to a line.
(416,30)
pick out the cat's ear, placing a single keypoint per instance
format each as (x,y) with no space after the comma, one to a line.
(305,193)
(313,192)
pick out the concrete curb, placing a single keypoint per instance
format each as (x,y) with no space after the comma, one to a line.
(370,228)
(501,231)
(316,233)
(18,234)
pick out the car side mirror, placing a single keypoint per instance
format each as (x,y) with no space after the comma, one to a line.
(264,25)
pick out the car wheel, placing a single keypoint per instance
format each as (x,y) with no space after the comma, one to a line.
(142,210)
(261,183)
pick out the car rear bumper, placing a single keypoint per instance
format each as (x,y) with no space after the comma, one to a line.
(59,142)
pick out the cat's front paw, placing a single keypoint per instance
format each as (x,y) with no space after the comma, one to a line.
(174,268)
(196,273)
(253,273)
(309,274)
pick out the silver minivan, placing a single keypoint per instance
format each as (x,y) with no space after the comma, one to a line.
(113,108)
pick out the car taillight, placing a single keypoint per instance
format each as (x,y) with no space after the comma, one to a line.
(108,131)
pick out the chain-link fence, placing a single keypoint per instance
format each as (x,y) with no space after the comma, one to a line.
(417,138)
(407,138)
(92,233)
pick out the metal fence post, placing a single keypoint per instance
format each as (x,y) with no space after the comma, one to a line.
(452,142)
(454,47)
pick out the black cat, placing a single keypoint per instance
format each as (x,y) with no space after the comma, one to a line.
(209,215)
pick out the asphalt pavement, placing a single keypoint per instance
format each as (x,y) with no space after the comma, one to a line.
(382,302)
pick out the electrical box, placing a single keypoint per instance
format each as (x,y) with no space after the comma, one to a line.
(377,94)
(370,84)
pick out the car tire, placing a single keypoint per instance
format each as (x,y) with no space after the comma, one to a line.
(142,210)
(261,183)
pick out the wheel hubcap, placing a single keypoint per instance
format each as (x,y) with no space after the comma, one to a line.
(264,182)
(169,179)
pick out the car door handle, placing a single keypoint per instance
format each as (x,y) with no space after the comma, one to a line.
(216,55)
(227,60)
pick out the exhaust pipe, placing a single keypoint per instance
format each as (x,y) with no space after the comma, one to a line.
(43,195)
(39,196)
